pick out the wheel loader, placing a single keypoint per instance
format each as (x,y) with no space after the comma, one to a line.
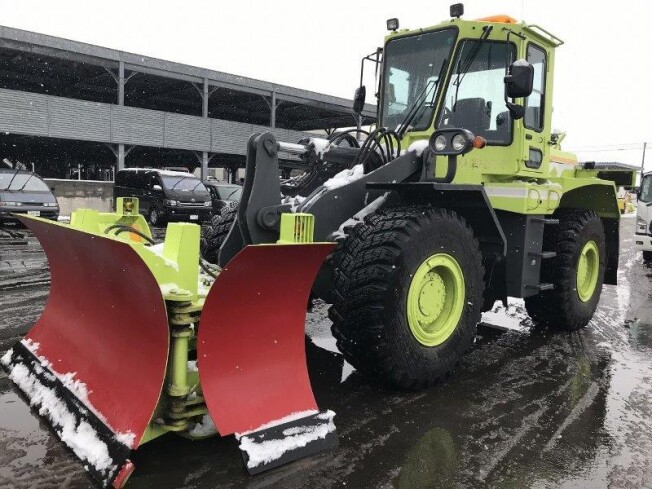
(459,196)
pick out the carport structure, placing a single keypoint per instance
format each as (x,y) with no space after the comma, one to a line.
(67,105)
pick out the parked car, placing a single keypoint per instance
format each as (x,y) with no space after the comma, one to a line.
(223,194)
(165,195)
(24,192)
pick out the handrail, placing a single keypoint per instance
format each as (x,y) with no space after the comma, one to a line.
(537,29)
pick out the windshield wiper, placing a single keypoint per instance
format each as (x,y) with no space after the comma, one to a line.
(462,69)
(415,108)
(26,182)
(198,184)
(227,197)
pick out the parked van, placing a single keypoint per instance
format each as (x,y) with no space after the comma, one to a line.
(23,192)
(643,237)
(165,195)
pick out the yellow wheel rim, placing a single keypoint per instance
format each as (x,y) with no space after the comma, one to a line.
(436,299)
(588,268)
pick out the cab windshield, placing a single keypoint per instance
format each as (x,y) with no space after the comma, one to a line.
(646,189)
(412,68)
(27,182)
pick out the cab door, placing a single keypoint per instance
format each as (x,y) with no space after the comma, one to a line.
(536,121)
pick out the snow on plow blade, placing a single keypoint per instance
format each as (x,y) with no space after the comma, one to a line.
(94,363)
(251,355)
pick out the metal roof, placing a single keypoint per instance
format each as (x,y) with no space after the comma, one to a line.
(46,63)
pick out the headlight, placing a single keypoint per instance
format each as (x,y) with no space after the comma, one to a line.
(458,142)
(207,204)
(171,202)
(440,142)
(12,204)
(50,204)
(641,226)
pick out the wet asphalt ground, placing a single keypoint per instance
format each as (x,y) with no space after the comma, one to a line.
(525,408)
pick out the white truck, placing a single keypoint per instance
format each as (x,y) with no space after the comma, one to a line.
(643,236)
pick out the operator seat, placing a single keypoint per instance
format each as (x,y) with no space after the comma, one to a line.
(473,114)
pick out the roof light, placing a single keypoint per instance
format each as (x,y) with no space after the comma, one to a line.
(499,19)
(392,24)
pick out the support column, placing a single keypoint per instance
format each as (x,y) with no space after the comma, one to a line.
(121,156)
(273,109)
(204,114)
(121,83)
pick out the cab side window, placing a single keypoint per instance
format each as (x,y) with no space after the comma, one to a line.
(534,104)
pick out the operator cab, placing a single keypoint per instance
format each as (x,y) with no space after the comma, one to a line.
(490,76)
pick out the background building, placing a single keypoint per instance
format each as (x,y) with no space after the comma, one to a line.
(74,110)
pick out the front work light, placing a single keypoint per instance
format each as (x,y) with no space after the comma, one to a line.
(451,141)
(440,143)
(458,142)
(457,10)
(392,24)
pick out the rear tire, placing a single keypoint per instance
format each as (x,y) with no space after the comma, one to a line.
(647,256)
(563,307)
(215,233)
(373,311)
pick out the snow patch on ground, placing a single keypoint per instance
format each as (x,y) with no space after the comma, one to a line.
(512,317)
(205,427)
(347,370)
(192,366)
(296,437)
(344,177)
(418,146)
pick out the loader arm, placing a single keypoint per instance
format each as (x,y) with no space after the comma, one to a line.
(258,217)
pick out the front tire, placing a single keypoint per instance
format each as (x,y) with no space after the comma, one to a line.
(408,295)
(154,217)
(647,256)
(577,272)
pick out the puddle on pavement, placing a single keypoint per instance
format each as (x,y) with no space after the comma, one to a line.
(22,436)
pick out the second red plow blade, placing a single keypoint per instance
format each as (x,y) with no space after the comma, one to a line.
(251,355)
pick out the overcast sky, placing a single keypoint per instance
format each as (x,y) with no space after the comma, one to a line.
(603,74)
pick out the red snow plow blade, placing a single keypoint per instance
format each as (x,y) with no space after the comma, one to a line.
(251,348)
(100,348)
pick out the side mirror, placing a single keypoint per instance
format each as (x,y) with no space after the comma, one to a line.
(359,98)
(157,187)
(520,80)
